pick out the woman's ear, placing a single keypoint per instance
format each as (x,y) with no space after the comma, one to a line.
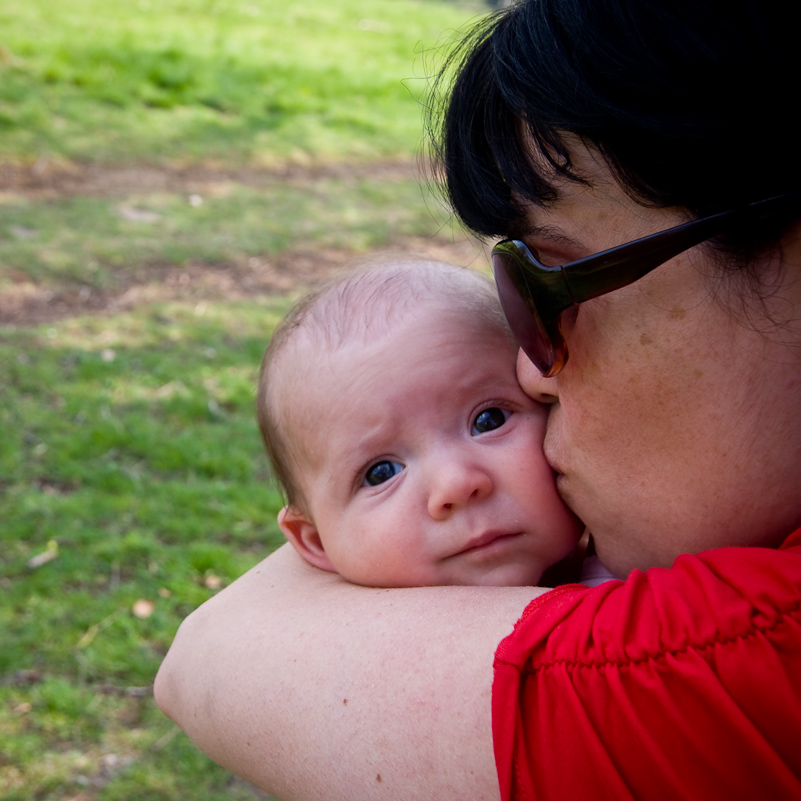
(305,539)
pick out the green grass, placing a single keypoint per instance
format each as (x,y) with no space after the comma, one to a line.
(257,81)
(133,485)
(130,446)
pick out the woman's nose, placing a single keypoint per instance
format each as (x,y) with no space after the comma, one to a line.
(533,383)
(455,486)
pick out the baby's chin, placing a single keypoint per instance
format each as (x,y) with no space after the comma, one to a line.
(505,576)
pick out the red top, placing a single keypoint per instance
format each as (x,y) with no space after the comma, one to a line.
(675,684)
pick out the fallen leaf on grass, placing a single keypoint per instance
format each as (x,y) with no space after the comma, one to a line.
(213,582)
(21,232)
(143,608)
(133,214)
(45,556)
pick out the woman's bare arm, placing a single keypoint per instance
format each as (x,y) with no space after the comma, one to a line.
(310,687)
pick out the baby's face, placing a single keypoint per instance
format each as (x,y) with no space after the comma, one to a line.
(424,460)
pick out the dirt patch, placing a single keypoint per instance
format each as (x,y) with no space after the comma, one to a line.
(45,179)
(25,303)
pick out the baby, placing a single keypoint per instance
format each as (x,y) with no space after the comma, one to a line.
(408,453)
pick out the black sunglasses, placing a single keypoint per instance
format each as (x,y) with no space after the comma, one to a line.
(534,297)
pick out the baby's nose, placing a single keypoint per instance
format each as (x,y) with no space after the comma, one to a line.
(455,487)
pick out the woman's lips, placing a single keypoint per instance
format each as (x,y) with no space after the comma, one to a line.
(550,449)
(555,465)
(552,460)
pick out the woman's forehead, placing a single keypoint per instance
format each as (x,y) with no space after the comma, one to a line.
(591,214)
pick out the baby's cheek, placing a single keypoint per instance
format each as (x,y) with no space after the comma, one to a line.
(537,422)
(526,458)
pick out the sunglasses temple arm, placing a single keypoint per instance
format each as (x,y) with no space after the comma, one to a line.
(588,278)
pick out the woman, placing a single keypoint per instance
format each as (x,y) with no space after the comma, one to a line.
(575,126)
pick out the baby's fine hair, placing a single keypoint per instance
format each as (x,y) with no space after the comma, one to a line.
(360,303)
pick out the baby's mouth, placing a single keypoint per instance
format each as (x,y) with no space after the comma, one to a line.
(487,540)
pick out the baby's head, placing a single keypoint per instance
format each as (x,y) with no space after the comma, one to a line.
(408,454)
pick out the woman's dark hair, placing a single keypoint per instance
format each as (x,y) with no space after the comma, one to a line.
(692,104)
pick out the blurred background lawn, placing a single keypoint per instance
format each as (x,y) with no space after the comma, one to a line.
(172,173)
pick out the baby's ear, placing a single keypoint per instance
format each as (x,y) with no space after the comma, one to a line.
(305,538)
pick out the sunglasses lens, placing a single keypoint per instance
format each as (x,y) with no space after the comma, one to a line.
(521,313)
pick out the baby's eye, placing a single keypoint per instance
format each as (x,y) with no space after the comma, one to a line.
(489,420)
(381,472)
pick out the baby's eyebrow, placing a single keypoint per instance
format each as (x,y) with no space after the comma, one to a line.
(366,451)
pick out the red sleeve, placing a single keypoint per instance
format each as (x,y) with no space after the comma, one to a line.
(675,684)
